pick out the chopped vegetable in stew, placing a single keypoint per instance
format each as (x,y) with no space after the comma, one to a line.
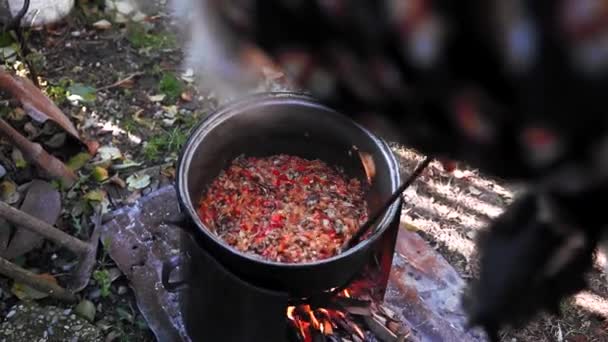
(284,208)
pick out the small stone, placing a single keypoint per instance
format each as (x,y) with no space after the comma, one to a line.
(102,24)
(66,312)
(95,294)
(2,171)
(11,314)
(86,309)
(124,7)
(138,16)
(122,290)
(120,18)
(76,327)
(72,317)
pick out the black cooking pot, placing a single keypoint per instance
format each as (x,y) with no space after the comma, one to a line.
(267,124)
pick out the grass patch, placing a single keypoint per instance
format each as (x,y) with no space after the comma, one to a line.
(170,86)
(102,277)
(141,39)
(58,92)
(166,143)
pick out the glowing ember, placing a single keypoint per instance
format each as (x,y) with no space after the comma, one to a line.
(290,310)
(358,330)
(313,318)
(326,328)
(327,321)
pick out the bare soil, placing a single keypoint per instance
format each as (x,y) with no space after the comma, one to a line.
(449,209)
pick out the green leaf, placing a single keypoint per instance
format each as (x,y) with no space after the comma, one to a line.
(81,93)
(17,156)
(127,163)
(78,161)
(95,196)
(125,315)
(100,174)
(109,153)
(138,182)
(102,277)
(6,39)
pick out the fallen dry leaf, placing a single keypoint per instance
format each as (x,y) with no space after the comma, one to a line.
(157,98)
(186,96)
(35,103)
(118,181)
(25,292)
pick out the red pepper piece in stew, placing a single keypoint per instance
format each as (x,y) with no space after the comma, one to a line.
(284,208)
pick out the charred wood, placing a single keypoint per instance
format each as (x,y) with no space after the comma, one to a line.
(380,330)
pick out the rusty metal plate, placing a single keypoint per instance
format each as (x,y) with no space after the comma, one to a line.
(424,290)
(138,241)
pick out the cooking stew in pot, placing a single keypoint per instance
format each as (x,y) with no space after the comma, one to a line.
(284,208)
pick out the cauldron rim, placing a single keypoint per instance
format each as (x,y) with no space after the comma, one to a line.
(228,110)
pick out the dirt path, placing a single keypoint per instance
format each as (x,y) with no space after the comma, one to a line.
(450,209)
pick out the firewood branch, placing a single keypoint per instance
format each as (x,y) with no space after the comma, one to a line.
(26,277)
(26,221)
(34,153)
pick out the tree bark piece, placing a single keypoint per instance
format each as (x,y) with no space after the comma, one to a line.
(34,153)
(24,276)
(26,221)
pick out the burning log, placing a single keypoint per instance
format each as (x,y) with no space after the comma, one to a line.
(317,336)
(387,312)
(380,330)
(340,317)
(352,306)
(351,327)
(294,334)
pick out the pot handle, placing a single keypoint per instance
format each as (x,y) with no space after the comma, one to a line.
(167,268)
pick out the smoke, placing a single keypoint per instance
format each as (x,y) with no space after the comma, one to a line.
(211,51)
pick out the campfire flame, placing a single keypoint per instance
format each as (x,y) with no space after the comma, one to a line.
(308,321)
